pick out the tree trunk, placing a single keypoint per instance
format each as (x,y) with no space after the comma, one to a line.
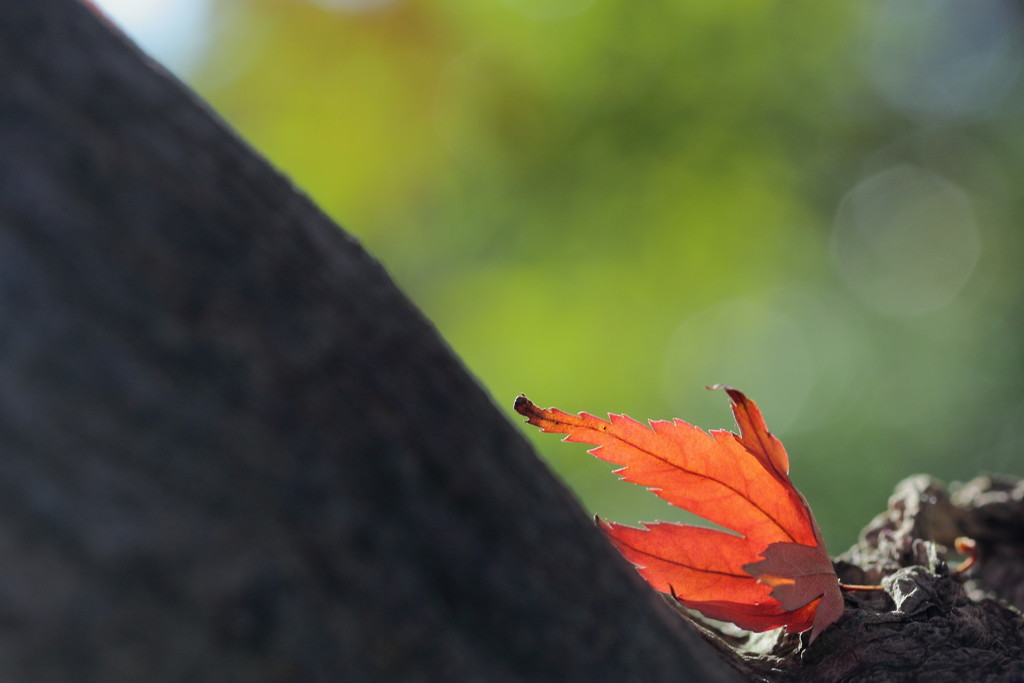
(230,449)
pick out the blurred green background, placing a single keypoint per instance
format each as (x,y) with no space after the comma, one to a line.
(609,204)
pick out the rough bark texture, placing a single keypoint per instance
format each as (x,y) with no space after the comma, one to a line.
(927,624)
(230,449)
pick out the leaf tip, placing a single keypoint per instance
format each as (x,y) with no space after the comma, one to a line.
(526,408)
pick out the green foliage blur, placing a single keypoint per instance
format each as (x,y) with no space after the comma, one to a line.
(610,204)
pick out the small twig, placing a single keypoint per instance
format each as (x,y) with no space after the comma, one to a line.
(859,587)
(965,546)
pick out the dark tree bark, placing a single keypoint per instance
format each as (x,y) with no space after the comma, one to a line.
(230,449)
(929,624)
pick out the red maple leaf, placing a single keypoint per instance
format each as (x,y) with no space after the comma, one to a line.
(773,571)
